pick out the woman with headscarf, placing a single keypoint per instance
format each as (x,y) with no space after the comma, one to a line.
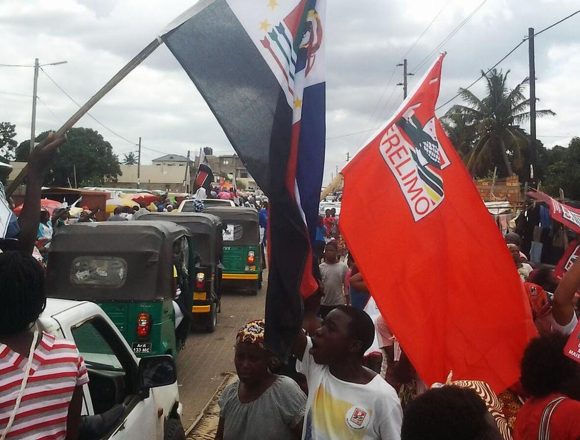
(261,404)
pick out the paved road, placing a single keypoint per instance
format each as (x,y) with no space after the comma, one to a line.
(206,357)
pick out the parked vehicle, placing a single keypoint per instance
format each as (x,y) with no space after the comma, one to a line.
(242,250)
(206,232)
(134,271)
(146,388)
(187,205)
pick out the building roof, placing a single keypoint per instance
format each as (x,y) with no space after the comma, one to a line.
(171,158)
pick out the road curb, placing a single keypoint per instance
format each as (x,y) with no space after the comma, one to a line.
(228,378)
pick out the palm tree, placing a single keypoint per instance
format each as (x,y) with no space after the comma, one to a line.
(498,140)
(130,159)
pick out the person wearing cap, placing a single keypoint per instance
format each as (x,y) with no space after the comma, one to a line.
(260,405)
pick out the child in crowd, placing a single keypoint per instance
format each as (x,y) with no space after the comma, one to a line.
(333,273)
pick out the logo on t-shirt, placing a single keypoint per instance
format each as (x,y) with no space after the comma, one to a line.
(357,417)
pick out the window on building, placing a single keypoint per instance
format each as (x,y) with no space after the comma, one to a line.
(243,174)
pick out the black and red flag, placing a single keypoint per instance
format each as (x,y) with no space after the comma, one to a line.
(260,68)
(204,174)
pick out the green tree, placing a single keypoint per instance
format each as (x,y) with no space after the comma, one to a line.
(130,159)
(85,150)
(7,142)
(498,140)
(563,170)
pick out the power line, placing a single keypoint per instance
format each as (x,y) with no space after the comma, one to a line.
(449,36)
(445,5)
(110,130)
(88,114)
(557,23)
(506,56)
(16,65)
(2,92)
(483,75)
(375,114)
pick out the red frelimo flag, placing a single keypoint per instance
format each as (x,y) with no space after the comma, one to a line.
(430,253)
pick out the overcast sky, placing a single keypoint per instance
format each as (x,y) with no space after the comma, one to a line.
(365,40)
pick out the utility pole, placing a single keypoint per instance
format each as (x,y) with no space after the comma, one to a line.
(405,75)
(35,98)
(533,152)
(139,165)
(34,93)
(185,186)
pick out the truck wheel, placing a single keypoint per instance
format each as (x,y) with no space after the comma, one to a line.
(173,430)
(212,318)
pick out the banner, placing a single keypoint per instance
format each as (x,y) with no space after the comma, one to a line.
(568,216)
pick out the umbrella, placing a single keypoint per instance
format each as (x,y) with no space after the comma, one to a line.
(113,203)
(48,204)
(143,199)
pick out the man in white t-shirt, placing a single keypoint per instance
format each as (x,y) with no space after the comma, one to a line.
(345,400)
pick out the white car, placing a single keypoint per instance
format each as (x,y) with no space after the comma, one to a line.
(146,387)
(187,205)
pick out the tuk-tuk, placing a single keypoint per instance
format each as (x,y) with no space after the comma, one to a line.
(242,250)
(206,234)
(137,272)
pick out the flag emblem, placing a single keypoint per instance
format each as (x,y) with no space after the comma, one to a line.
(292,45)
(415,157)
(356,417)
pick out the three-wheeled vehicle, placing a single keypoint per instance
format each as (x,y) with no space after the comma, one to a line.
(242,251)
(137,272)
(206,235)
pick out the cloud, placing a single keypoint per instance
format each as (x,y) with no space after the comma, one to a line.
(365,41)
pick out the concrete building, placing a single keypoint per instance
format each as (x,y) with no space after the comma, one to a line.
(171,160)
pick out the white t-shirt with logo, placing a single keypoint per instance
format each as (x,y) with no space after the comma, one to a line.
(337,410)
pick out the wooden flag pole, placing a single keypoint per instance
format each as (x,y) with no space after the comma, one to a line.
(91,102)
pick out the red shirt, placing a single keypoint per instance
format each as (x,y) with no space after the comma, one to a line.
(564,424)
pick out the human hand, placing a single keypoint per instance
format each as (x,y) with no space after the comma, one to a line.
(42,156)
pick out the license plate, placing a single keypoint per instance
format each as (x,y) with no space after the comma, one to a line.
(141,347)
(201,296)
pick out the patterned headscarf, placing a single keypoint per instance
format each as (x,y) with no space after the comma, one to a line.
(252,333)
(493,404)
(198,205)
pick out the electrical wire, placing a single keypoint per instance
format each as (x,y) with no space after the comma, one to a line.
(449,36)
(483,75)
(507,55)
(88,114)
(110,130)
(2,92)
(557,23)
(445,5)
(16,65)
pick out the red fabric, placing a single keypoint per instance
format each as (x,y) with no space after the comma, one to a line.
(437,267)
(571,254)
(564,424)
(568,216)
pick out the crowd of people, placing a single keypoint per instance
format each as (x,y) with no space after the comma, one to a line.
(332,388)
(342,392)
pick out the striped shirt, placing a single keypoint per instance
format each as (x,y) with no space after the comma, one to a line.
(57,368)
